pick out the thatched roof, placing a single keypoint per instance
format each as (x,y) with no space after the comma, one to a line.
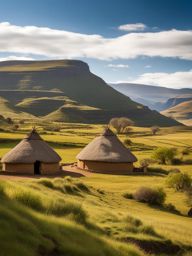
(30,149)
(107,148)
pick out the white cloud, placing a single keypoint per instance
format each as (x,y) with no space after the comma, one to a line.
(53,43)
(132,27)
(172,80)
(118,66)
(15,58)
(148,66)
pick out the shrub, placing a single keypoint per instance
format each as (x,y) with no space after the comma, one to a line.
(134,221)
(164,155)
(150,195)
(179,181)
(149,230)
(128,195)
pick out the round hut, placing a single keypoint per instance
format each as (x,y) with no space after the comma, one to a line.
(106,154)
(31,156)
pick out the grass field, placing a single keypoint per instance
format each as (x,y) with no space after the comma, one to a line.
(91,212)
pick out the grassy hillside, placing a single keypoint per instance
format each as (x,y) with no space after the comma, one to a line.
(71,79)
(90,215)
(7,110)
(47,217)
(181,112)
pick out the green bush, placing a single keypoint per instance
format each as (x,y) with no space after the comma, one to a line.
(153,196)
(179,181)
(164,155)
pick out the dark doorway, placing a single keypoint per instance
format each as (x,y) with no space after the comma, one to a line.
(37,167)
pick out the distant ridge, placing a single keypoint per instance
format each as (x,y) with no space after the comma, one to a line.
(154,97)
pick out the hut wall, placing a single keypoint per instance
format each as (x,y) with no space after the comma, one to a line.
(49,168)
(18,168)
(104,167)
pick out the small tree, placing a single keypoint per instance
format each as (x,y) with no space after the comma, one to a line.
(155,129)
(145,163)
(121,125)
(164,155)
(15,127)
(9,120)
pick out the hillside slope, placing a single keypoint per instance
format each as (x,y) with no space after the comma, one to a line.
(95,101)
(181,112)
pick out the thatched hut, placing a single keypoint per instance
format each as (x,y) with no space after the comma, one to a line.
(106,154)
(31,156)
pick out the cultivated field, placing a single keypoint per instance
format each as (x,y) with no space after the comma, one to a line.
(84,216)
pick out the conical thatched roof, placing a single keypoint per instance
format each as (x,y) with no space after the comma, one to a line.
(107,148)
(30,149)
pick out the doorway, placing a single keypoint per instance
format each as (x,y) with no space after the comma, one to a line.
(37,165)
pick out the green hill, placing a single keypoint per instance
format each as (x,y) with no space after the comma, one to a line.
(32,86)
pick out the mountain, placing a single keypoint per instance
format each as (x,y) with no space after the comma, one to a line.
(155,97)
(66,90)
(181,112)
(176,100)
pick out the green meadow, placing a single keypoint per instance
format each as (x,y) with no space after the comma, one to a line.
(91,215)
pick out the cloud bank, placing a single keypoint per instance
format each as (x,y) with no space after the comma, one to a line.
(171,80)
(132,27)
(53,43)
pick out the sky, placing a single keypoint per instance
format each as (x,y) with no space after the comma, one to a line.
(138,41)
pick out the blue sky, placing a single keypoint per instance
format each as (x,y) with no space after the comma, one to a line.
(140,41)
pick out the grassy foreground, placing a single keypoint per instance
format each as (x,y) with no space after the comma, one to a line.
(90,215)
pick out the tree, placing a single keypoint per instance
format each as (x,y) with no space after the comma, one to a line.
(155,129)
(179,181)
(9,120)
(121,124)
(164,155)
(144,163)
(15,127)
